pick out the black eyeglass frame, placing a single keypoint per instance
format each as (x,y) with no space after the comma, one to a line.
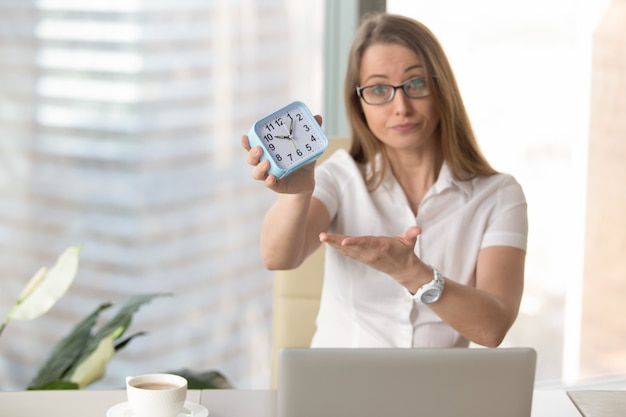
(359,90)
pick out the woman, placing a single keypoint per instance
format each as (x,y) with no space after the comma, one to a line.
(425,240)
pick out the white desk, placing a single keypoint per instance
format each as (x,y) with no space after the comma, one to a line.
(221,403)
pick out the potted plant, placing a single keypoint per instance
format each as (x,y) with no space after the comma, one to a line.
(80,358)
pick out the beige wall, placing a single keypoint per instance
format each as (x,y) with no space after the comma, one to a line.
(603,344)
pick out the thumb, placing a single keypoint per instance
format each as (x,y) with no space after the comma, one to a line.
(412,233)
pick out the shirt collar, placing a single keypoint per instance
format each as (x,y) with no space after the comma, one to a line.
(446,180)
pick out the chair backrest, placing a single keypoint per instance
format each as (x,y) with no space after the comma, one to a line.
(297,294)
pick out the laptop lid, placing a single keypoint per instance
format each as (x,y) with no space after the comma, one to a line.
(390,382)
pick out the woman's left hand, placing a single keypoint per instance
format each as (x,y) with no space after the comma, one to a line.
(394,256)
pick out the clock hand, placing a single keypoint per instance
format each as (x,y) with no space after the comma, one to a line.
(290,130)
(291,135)
(289,138)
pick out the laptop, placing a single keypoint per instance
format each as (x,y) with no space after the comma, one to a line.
(396,382)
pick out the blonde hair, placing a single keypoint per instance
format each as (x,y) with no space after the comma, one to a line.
(458,143)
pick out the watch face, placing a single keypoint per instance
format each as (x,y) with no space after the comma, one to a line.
(430,295)
(291,136)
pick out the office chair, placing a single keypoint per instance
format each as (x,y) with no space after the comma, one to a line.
(297,294)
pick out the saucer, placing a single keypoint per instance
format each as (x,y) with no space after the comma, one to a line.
(123,410)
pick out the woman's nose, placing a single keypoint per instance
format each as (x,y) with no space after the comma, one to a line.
(401,102)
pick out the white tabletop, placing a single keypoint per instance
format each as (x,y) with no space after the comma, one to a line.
(221,403)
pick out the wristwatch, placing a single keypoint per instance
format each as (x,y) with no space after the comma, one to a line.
(431,291)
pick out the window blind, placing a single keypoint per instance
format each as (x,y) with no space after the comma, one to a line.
(120,126)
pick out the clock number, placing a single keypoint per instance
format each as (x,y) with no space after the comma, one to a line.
(298,152)
(278,157)
(313,139)
(268,137)
(306,127)
(269,127)
(299,116)
(272,147)
(308,147)
(279,122)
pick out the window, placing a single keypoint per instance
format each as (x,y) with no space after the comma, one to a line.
(524,71)
(121,125)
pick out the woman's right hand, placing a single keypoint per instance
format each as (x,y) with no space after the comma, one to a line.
(300,181)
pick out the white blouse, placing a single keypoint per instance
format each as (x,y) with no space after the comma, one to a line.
(362,307)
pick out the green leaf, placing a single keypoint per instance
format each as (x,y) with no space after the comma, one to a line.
(204,379)
(56,385)
(93,367)
(121,344)
(115,327)
(45,289)
(125,315)
(67,351)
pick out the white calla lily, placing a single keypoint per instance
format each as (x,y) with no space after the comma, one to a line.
(32,284)
(94,366)
(47,287)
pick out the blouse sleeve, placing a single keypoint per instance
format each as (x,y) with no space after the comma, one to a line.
(508,225)
(328,179)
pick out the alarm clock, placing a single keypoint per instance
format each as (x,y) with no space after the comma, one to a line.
(290,138)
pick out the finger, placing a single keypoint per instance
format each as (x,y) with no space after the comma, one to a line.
(331,238)
(360,241)
(334,241)
(254,155)
(260,170)
(412,233)
(270,181)
(319,119)
(245,142)
(336,245)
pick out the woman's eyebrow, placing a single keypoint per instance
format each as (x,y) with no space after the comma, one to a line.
(412,67)
(375,76)
(383,76)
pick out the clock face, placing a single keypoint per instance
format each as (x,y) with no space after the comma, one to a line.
(291,136)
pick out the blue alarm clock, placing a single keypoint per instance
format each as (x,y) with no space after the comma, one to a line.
(290,138)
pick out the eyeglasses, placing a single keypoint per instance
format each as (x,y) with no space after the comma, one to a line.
(384,93)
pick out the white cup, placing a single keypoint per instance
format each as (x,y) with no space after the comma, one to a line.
(156,395)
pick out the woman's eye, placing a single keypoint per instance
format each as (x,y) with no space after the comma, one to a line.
(379,90)
(416,84)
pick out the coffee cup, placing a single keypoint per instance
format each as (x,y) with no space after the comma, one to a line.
(156,395)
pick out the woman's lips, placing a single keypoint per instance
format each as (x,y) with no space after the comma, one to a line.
(404,127)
